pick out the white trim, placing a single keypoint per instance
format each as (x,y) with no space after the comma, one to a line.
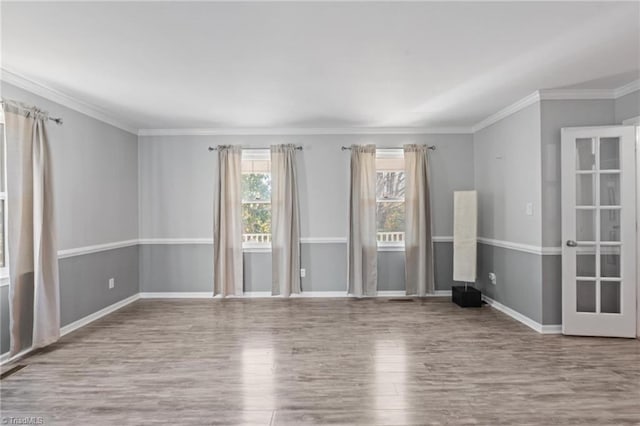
(98,314)
(256,248)
(542,329)
(323,240)
(390,246)
(576,94)
(68,101)
(634,86)
(95,248)
(4,358)
(556,94)
(293,131)
(152,241)
(443,239)
(526,248)
(267,294)
(632,121)
(509,110)
(177,295)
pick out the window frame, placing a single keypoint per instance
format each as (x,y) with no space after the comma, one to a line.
(390,153)
(4,270)
(253,155)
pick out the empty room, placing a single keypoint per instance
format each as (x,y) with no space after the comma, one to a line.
(319,213)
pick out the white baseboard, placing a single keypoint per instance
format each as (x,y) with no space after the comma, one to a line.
(177,295)
(4,358)
(99,314)
(263,294)
(540,328)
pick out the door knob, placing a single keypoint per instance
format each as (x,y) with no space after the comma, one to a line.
(571,243)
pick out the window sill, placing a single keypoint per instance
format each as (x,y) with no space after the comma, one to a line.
(256,248)
(390,247)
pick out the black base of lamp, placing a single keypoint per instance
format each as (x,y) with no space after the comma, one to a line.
(466,297)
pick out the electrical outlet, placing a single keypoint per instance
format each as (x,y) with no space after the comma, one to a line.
(112,283)
(303,272)
(492,278)
(529,209)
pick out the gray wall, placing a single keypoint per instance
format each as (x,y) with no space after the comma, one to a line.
(627,106)
(189,268)
(95,167)
(178,171)
(518,160)
(507,177)
(554,116)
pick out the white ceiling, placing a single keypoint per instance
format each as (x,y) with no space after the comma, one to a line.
(322,64)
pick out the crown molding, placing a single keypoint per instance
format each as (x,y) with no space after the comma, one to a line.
(505,112)
(634,86)
(63,99)
(294,131)
(573,95)
(557,95)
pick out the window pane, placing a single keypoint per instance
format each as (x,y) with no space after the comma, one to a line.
(390,216)
(585,190)
(609,153)
(585,225)
(610,225)
(609,189)
(256,218)
(256,207)
(390,185)
(256,187)
(610,262)
(610,297)
(585,154)
(585,296)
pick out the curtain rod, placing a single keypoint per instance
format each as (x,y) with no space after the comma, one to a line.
(215,148)
(348,148)
(57,120)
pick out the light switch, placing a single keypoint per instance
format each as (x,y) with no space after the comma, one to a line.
(529,209)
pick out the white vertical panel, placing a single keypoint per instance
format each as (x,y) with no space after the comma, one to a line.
(465,235)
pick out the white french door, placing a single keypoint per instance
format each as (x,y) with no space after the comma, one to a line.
(599,231)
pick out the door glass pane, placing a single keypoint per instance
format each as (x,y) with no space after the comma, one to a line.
(586,262)
(610,225)
(610,297)
(610,262)
(585,190)
(609,153)
(585,154)
(610,189)
(586,296)
(585,225)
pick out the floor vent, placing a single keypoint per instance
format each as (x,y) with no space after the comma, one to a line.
(11,371)
(405,299)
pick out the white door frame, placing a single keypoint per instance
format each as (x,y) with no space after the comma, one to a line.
(596,323)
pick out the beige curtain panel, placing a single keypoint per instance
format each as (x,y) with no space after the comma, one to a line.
(285,221)
(363,249)
(34,289)
(419,271)
(227,223)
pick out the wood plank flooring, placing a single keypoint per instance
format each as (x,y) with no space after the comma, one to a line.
(324,361)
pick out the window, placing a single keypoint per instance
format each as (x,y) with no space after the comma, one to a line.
(4,267)
(256,198)
(390,185)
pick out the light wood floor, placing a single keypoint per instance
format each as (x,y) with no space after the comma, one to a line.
(324,361)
